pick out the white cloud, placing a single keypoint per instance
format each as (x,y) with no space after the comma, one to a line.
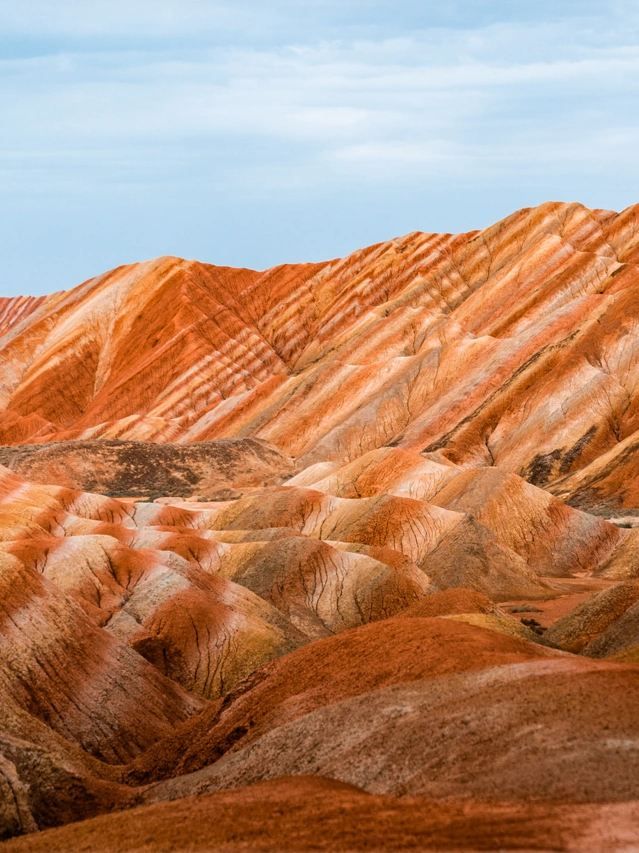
(374,96)
(251,100)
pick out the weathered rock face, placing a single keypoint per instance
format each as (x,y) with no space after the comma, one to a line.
(512,347)
(257,525)
(140,641)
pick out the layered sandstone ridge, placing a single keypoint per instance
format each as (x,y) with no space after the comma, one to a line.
(511,347)
(150,651)
(14,310)
(274,547)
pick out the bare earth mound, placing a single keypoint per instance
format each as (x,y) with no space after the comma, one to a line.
(208,469)
(311,813)
(334,556)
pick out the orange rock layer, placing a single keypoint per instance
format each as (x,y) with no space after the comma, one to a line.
(512,346)
(320,485)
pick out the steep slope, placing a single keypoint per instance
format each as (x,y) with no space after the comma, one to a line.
(40,630)
(56,781)
(466,344)
(255,528)
(353,663)
(14,310)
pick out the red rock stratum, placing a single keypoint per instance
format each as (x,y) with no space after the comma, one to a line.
(272,547)
(511,346)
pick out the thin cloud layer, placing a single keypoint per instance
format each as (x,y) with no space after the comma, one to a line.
(217,108)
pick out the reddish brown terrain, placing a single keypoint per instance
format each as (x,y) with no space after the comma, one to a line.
(332,556)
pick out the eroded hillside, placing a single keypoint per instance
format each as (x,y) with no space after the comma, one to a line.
(513,347)
(332,556)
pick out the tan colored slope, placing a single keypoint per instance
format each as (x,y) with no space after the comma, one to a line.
(526,731)
(58,782)
(116,353)
(168,599)
(457,599)
(362,558)
(14,310)
(144,601)
(606,625)
(201,630)
(320,588)
(476,536)
(317,679)
(61,668)
(505,532)
(511,346)
(609,482)
(402,650)
(469,555)
(46,784)
(386,470)
(466,384)
(452,548)
(553,538)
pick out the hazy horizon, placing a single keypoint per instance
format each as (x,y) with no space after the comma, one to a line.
(252,134)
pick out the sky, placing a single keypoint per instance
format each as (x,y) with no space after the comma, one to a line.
(256,132)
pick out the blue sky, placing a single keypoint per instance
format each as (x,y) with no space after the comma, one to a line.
(250,132)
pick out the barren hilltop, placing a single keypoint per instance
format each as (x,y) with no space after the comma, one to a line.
(336,555)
